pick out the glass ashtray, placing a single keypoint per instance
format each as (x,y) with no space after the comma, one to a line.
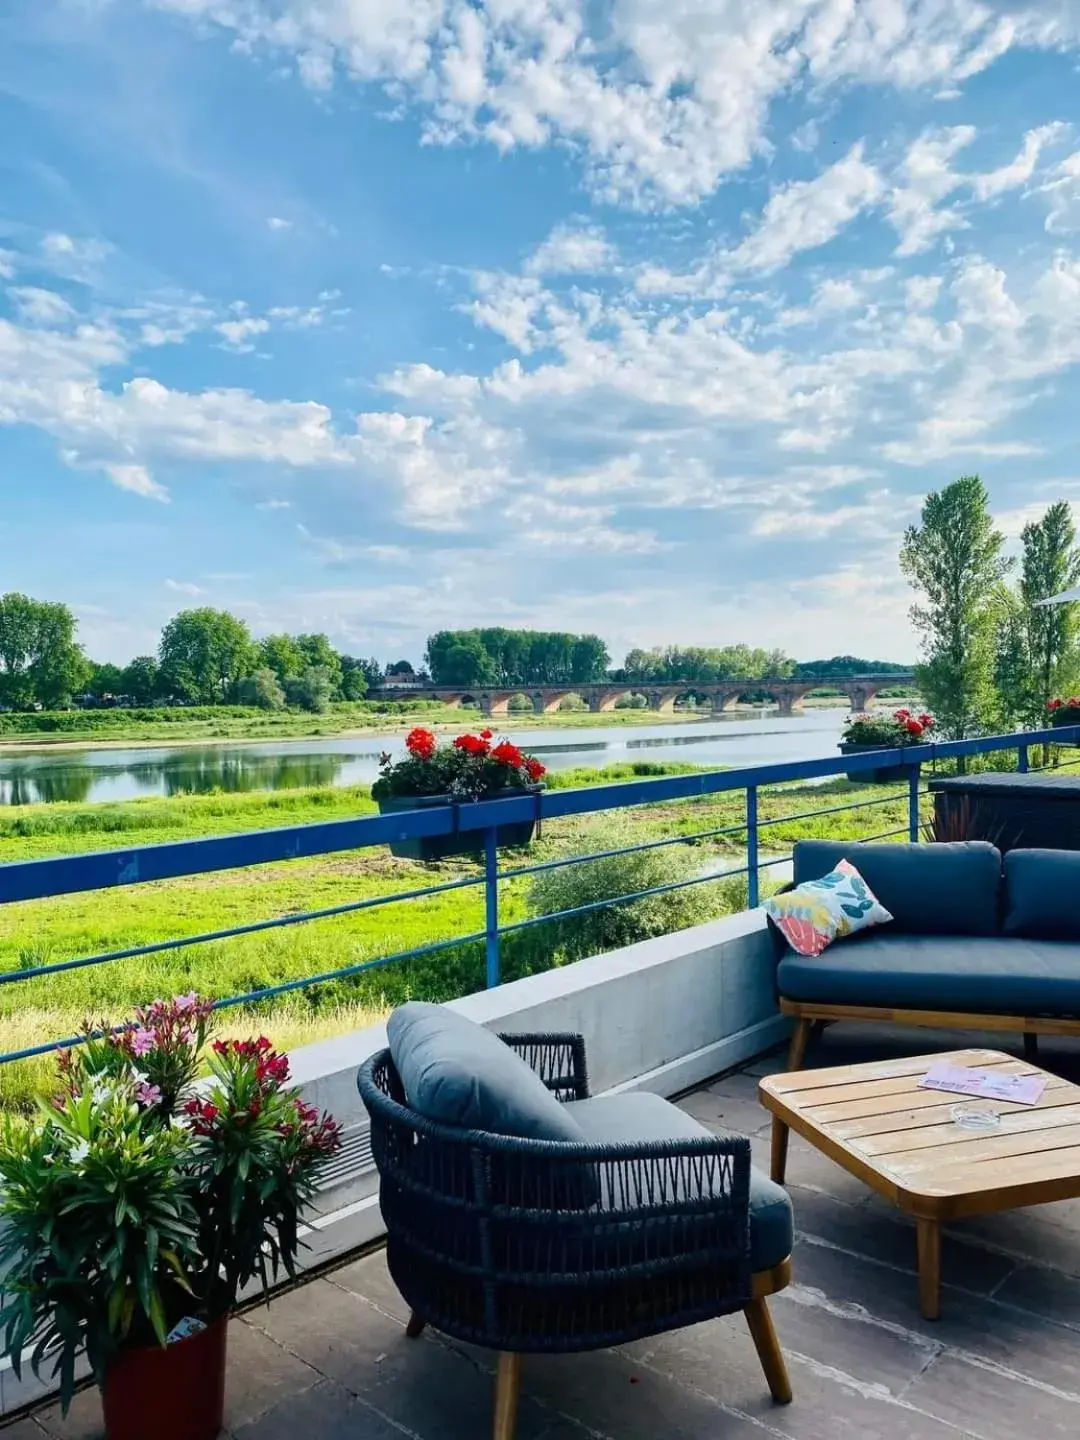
(975,1117)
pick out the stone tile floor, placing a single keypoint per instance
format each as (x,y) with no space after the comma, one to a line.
(330,1360)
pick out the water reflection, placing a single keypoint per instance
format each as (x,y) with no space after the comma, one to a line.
(32,780)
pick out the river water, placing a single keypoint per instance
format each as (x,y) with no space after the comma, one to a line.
(112,773)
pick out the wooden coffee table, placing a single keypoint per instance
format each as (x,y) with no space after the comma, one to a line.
(877,1123)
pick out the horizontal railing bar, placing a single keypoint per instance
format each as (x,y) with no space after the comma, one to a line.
(623,850)
(31,1052)
(99,870)
(900,797)
(277,923)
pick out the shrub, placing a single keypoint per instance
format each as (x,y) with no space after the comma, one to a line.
(519,704)
(611,926)
(261,690)
(573,703)
(632,702)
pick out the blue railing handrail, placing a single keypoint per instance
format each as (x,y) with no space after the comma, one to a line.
(103,869)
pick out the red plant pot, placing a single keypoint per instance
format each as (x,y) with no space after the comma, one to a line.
(171,1392)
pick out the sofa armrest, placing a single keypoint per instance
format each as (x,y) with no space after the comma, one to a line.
(559,1060)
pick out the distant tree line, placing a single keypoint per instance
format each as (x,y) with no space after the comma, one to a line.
(497,656)
(205,657)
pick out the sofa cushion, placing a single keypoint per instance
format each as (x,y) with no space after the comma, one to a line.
(639,1118)
(459,1073)
(1000,974)
(950,889)
(1042,894)
(817,912)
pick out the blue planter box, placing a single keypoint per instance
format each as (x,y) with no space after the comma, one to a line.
(467,842)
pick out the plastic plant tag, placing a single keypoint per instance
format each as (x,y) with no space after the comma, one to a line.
(184,1329)
(987,1084)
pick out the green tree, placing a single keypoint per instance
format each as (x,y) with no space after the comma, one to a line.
(203,653)
(1050,563)
(954,560)
(141,679)
(105,680)
(40,661)
(311,690)
(358,676)
(1012,671)
(319,654)
(282,655)
(261,689)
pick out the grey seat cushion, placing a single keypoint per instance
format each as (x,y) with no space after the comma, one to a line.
(1005,975)
(459,1073)
(950,889)
(1042,894)
(630,1119)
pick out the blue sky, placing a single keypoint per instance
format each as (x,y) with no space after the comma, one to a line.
(649,317)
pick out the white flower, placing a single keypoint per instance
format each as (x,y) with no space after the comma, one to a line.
(79,1152)
(101,1092)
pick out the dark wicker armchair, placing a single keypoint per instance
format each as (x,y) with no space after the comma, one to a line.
(541,1246)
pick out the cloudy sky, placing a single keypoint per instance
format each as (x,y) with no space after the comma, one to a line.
(650,317)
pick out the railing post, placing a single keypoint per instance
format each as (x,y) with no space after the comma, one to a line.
(753,887)
(1022,759)
(914,775)
(491,904)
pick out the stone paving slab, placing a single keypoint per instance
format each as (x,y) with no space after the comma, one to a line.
(330,1361)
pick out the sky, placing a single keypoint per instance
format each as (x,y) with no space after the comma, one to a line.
(654,318)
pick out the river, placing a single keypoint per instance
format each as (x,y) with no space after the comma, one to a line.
(114,773)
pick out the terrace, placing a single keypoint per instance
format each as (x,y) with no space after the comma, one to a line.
(691,1015)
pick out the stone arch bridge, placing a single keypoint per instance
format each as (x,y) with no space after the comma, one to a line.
(546,699)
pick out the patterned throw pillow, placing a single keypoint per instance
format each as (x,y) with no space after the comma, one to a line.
(820,911)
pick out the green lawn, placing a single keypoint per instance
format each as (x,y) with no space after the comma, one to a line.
(46,931)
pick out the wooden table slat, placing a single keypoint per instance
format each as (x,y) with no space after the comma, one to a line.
(946,1131)
(787,1082)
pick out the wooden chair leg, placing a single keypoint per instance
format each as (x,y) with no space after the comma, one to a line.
(763,1333)
(778,1166)
(1031,1046)
(415,1328)
(507,1386)
(800,1038)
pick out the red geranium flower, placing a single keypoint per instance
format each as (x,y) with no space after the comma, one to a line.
(508,754)
(472,744)
(913,728)
(421,743)
(485,734)
(1053,704)
(534,769)
(926,721)
(902,715)
(1073,703)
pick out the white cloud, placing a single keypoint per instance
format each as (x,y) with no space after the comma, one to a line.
(184,587)
(8,260)
(806,214)
(41,307)
(573,249)
(662,97)
(1063,197)
(927,177)
(138,480)
(981,297)
(275,222)
(237,333)
(77,258)
(274,505)
(922,291)
(1019,171)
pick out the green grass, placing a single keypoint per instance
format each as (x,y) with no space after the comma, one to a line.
(41,932)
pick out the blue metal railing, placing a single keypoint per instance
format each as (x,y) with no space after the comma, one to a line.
(73,874)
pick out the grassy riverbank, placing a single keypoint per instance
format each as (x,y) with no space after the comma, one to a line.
(41,932)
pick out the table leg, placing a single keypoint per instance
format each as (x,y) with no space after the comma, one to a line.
(929,1241)
(778,1168)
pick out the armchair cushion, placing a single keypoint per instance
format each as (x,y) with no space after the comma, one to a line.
(456,1072)
(638,1118)
(1041,894)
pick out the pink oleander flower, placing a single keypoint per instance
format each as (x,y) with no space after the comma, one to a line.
(147,1094)
(143,1041)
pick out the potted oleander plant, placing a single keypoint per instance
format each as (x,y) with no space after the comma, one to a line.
(164,1178)
(470,767)
(899,730)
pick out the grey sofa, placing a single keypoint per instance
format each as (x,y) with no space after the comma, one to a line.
(977,941)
